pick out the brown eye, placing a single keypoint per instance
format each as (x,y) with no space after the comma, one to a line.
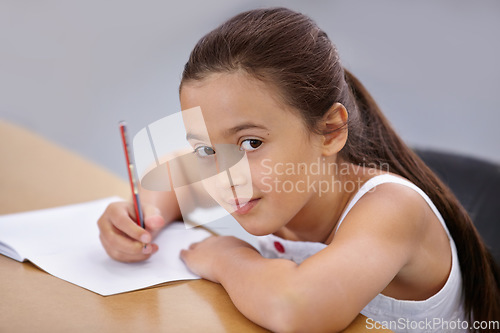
(204,151)
(250,144)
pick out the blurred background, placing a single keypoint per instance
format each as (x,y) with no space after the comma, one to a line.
(70,70)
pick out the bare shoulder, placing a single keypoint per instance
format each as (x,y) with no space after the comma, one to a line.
(395,222)
(392,216)
(389,205)
(377,249)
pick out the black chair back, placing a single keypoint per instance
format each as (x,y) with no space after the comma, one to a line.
(476,184)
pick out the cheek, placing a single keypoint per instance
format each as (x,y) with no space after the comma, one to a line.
(281,181)
(284,171)
(262,174)
(210,186)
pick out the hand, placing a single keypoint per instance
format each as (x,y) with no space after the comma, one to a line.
(202,257)
(122,238)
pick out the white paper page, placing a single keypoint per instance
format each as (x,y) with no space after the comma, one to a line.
(64,241)
(47,231)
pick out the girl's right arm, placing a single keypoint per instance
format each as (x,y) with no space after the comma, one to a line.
(120,235)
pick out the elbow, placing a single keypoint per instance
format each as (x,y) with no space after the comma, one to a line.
(295,312)
(293,322)
(294,326)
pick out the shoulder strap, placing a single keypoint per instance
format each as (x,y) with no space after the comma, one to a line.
(387,178)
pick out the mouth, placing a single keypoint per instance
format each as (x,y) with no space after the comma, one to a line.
(245,207)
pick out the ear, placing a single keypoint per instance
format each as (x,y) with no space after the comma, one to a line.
(334,127)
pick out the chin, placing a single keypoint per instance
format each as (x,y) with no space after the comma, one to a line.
(255,228)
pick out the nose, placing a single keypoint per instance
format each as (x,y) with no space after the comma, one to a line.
(231,178)
(235,183)
(232,166)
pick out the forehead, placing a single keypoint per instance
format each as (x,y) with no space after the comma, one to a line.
(230,99)
(229,87)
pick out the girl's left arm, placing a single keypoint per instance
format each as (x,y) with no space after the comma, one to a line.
(329,289)
(256,285)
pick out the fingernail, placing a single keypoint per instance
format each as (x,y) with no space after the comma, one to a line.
(145,238)
(147,249)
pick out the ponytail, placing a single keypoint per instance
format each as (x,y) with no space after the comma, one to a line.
(480,272)
(287,49)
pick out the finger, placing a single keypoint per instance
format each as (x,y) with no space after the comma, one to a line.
(117,255)
(150,210)
(121,220)
(123,243)
(184,254)
(155,223)
(122,255)
(106,227)
(153,219)
(104,222)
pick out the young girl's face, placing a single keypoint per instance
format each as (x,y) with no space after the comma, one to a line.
(243,111)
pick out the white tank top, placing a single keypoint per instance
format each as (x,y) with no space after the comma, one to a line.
(442,312)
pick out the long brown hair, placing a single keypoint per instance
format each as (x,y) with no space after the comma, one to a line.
(288,49)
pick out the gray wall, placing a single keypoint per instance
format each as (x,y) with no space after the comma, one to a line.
(70,70)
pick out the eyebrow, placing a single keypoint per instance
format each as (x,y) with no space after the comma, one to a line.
(192,136)
(241,127)
(229,132)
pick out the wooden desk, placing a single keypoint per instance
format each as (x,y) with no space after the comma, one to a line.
(35,174)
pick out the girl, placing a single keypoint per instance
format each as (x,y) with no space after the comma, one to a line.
(386,238)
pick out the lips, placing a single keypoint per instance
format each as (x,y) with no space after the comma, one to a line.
(237,201)
(245,207)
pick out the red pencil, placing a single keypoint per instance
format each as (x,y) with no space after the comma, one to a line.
(131,176)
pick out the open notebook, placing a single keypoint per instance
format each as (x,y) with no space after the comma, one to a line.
(64,241)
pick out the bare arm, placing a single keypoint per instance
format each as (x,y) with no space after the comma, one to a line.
(329,289)
(165,201)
